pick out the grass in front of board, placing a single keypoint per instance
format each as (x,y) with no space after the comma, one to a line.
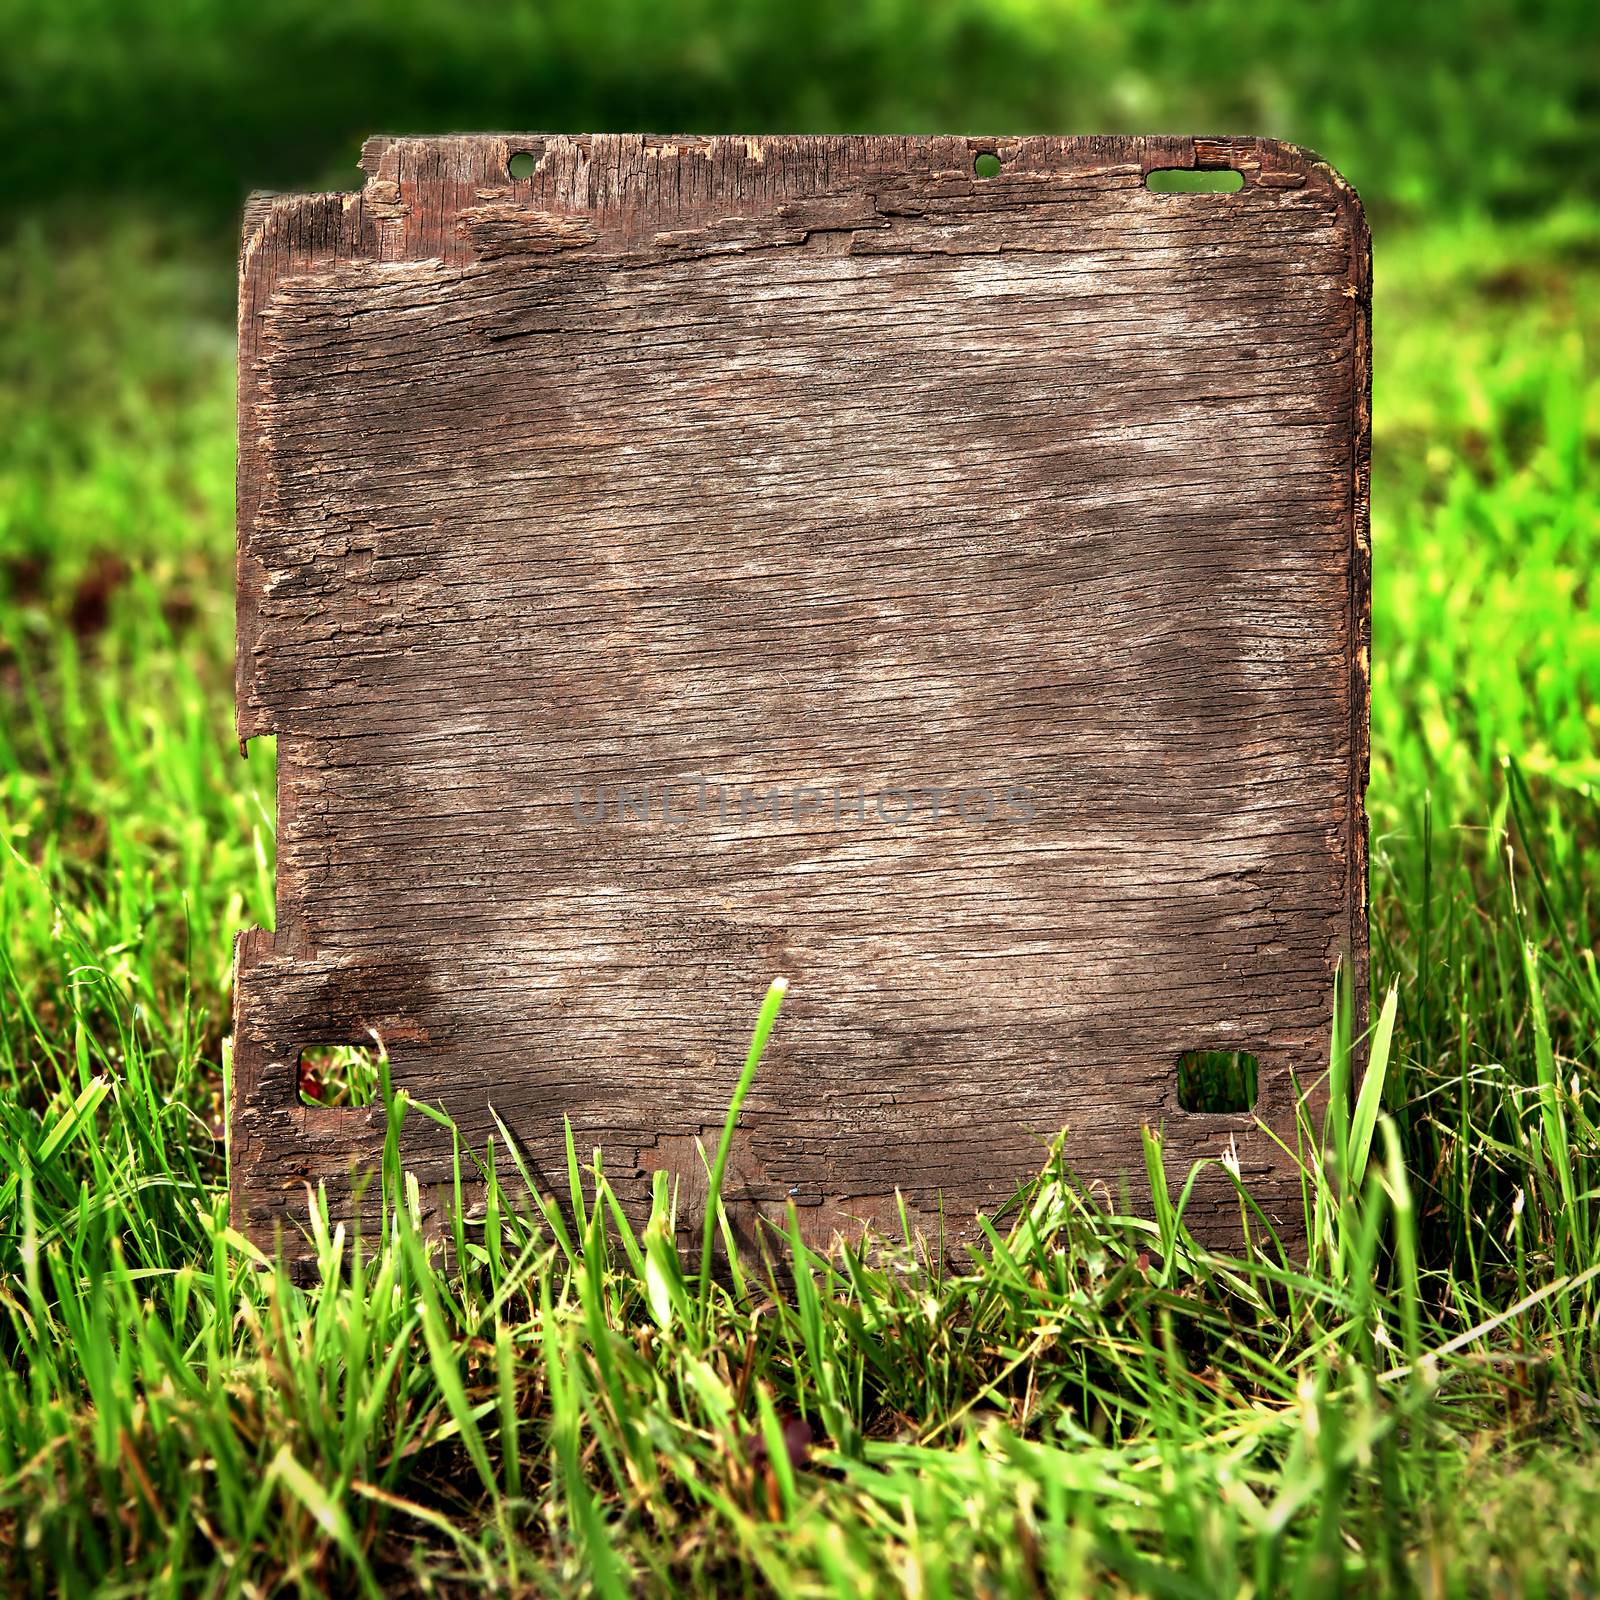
(1090,1402)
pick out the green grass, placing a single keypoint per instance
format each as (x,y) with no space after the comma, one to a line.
(1091,1402)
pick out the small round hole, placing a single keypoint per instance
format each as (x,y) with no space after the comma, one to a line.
(523,165)
(987,165)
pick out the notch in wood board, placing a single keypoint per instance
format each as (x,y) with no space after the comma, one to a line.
(651,472)
(1218,1081)
(336,1075)
(1194,180)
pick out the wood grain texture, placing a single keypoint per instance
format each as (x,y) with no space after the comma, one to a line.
(731,469)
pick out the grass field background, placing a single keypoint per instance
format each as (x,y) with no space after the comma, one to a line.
(1093,1402)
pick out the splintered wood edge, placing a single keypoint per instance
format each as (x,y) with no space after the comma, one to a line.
(587,187)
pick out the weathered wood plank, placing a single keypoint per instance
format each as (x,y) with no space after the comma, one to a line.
(813,467)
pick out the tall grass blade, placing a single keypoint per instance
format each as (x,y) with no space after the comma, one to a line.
(765,1018)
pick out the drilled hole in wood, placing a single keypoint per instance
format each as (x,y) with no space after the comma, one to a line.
(1191,180)
(1217,1080)
(339,1074)
(523,164)
(987,166)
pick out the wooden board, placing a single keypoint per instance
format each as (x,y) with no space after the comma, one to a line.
(748,471)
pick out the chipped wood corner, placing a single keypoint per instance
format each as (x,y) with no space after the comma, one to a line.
(705,469)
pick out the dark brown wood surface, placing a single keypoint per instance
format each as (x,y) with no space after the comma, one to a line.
(742,467)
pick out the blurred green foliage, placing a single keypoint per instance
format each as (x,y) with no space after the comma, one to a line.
(1490,104)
